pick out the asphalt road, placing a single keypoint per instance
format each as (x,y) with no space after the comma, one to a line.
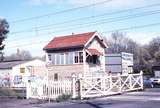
(150,98)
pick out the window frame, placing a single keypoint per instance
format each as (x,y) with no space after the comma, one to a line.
(91,59)
(67,57)
(78,57)
(62,55)
(49,57)
(53,59)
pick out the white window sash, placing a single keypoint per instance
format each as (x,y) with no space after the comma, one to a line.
(64,58)
(78,57)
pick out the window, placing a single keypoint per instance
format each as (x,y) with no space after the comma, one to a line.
(81,57)
(89,59)
(56,77)
(49,57)
(22,70)
(53,58)
(58,59)
(66,58)
(76,57)
(93,59)
(71,58)
(62,59)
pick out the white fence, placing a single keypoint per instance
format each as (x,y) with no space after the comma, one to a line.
(103,86)
(85,87)
(48,89)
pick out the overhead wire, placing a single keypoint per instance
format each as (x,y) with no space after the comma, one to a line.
(121,29)
(95,22)
(83,18)
(98,22)
(60,12)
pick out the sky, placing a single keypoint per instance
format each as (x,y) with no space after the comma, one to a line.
(33,23)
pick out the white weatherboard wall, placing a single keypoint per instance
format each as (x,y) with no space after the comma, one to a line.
(26,74)
(119,63)
(96,45)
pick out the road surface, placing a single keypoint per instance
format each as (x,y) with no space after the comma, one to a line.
(150,98)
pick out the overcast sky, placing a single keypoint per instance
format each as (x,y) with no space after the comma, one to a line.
(33,23)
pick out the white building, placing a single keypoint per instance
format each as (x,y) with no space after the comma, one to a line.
(17,73)
(119,63)
(76,54)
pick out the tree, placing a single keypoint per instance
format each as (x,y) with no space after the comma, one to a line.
(115,44)
(20,55)
(157,57)
(154,50)
(4,29)
(119,42)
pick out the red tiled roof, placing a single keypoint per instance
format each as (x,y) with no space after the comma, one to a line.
(74,40)
(93,52)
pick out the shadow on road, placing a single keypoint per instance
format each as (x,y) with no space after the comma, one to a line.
(98,105)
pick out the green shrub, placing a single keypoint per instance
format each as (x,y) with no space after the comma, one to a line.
(63,97)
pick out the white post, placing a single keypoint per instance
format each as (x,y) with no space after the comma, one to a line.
(48,84)
(28,90)
(40,90)
(130,81)
(120,84)
(110,78)
(141,76)
(80,83)
(73,86)
(104,84)
(49,92)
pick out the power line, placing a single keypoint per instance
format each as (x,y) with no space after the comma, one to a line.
(103,21)
(105,14)
(109,31)
(109,20)
(134,27)
(60,12)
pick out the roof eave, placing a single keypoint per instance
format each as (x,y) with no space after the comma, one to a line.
(96,34)
(63,48)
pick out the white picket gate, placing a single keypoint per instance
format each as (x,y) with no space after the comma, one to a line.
(49,89)
(87,86)
(103,86)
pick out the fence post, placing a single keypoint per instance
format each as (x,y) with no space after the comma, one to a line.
(40,90)
(130,81)
(120,84)
(73,86)
(110,80)
(141,79)
(80,86)
(49,90)
(28,90)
